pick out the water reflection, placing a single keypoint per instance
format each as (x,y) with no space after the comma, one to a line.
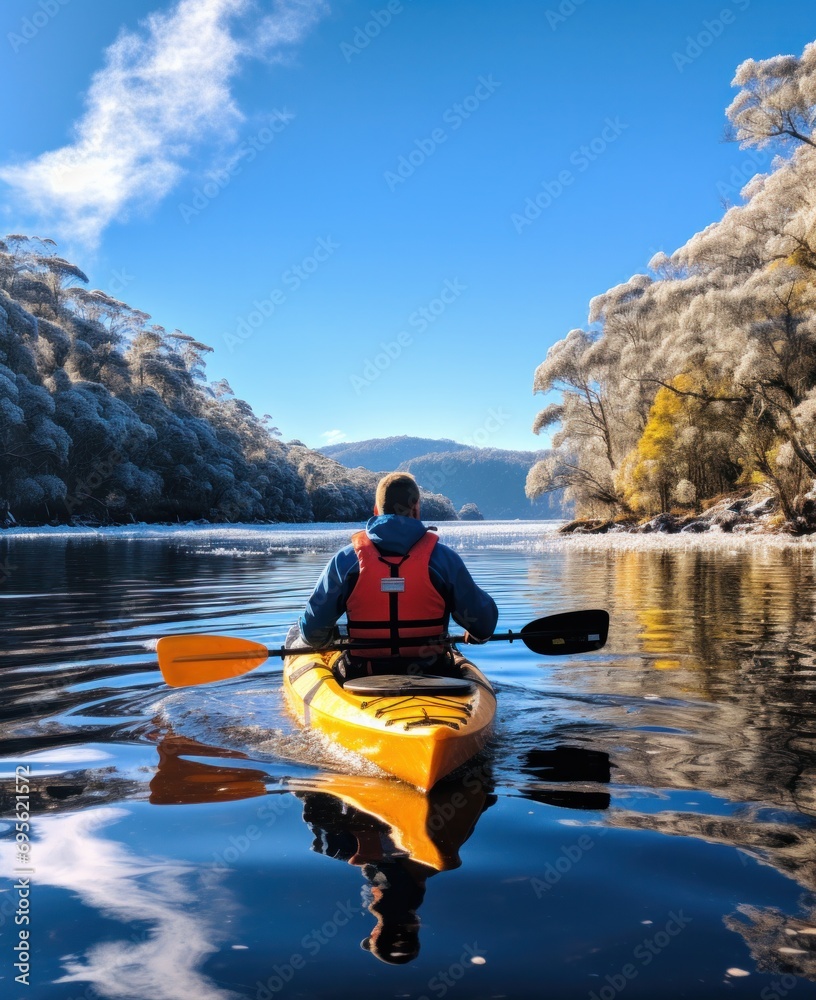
(161,959)
(399,838)
(777,941)
(692,734)
(709,679)
(569,765)
(179,781)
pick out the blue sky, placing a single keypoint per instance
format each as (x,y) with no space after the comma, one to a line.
(333,195)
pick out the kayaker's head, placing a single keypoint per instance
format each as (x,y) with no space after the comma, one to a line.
(394,943)
(397,493)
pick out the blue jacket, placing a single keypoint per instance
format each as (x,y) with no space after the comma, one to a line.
(394,534)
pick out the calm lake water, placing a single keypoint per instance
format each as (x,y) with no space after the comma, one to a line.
(641,826)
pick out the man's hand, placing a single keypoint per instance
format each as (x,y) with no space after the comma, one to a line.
(471,640)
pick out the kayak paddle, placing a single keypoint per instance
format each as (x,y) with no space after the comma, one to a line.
(186,660)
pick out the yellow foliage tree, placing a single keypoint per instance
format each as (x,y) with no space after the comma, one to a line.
(688,449)
(651,470)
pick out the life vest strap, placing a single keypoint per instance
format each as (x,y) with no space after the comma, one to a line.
(412,623)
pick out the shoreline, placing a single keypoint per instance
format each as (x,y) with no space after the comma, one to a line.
(535,537)
(745,513)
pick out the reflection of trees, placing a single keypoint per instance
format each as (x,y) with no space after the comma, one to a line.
(708,683)
(81,788)
(711,669)
(710,604)
(79,608)
(779,942)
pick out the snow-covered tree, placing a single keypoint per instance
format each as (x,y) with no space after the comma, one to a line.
(704,370)
(105,414)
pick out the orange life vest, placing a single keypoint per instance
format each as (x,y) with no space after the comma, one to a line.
(394,599)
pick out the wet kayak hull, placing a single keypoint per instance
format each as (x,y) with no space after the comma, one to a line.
(419,737)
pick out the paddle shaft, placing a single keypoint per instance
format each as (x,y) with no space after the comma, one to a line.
(360,644)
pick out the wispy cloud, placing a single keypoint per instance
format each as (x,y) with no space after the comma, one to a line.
(163,92)
(333,437)
(161,897)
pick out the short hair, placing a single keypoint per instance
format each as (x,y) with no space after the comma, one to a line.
(397,493)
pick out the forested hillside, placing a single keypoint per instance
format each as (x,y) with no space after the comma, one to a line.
(699,377)
(340,494)
(108,417)
(386,454)
(492,478)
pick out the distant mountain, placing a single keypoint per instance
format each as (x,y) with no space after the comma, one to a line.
(341,494)
(491,478)
(386,454)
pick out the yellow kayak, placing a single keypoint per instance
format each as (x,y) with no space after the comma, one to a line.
(415,728)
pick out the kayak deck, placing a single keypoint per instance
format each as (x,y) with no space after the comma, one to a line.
(418,736)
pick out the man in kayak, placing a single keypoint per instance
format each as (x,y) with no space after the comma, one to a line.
(397,582)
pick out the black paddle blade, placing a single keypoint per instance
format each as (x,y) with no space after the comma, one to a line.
(571,632)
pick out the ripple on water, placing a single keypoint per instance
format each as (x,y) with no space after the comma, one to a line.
(684,752)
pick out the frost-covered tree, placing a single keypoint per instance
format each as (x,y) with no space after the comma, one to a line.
(776,100)
(341,494)
(704,371)
(587,448)
(106,415)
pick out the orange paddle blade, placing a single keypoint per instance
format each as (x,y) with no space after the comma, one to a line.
(200,659)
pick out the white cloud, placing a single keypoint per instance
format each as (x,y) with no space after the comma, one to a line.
(333,437)
(153,894)
(164,91)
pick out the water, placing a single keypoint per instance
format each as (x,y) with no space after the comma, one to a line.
(642,824)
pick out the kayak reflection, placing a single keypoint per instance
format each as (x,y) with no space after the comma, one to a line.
(399,837)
